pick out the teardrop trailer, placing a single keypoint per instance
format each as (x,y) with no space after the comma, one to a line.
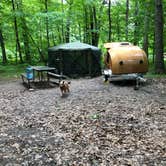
(125,61)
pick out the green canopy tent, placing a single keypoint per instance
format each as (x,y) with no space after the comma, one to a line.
(75,59)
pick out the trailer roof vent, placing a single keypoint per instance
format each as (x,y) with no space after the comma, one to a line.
(124,43)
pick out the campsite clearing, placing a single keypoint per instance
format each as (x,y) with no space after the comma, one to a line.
(96,124)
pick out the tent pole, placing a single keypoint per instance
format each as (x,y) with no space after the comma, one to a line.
(89,62)
(61,65)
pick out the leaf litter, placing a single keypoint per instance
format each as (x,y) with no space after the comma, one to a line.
(97,124)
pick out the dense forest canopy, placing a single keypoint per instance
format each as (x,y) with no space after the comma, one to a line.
(28,28)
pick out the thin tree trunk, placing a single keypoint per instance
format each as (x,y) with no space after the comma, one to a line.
(95,35)
(79,30)
(86,33)
(40,34)
(153,48)
(53,38)
(146,29)
(136,24)
(93,26)
(67,34)
(109,21)
(118,27)
(16,55)
(26,41)
(16,33)
(62,29)
(25,34)
(159,59)
(4,58)
(47,26)
(42,59)
(60,37)
(91,23)
(127,18)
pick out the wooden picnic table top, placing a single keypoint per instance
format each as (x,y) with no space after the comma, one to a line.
(43,68)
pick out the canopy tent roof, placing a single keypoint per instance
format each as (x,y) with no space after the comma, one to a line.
(73,46)
(75,58)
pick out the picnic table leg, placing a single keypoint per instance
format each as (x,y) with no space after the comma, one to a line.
(39,75)
(22,78)
(48,78)
(33,75)
(29,85)
(42,76)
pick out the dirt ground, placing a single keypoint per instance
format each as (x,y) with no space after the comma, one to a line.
(97,124)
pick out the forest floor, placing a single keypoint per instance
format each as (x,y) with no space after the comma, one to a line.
(97,124)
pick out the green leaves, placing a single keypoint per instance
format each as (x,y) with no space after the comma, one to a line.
(80,19)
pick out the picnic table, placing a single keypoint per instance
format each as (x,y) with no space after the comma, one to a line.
(40,70)
(42,74)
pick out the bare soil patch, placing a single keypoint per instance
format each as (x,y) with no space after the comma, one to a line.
(97,124)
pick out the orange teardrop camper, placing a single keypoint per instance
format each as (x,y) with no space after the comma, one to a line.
(125,58)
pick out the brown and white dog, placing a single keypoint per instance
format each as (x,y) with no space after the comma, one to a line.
(64,87)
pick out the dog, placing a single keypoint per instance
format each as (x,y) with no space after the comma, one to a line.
(64,87)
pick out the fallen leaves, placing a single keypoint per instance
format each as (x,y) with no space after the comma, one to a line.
(97,124)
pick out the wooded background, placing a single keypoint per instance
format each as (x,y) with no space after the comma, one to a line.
(29,27)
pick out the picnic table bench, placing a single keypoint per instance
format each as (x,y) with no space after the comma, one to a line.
(56,76)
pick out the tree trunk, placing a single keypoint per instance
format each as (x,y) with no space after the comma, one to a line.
(40,35)
(136,23)
(127,18)
(86,27)
(95,34)
(146,29)
(153,48)
(18,47)
(93,26)
(67,34)
(4,58)
(118,27)
(25,34)
(47,26)
(109,21)
(26,41)
(42,59)
(159,60)
(62,28)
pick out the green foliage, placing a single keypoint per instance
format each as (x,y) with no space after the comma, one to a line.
(11,71)
(151,71)
(73,13)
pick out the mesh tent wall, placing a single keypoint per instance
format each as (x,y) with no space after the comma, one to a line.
(75,59)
